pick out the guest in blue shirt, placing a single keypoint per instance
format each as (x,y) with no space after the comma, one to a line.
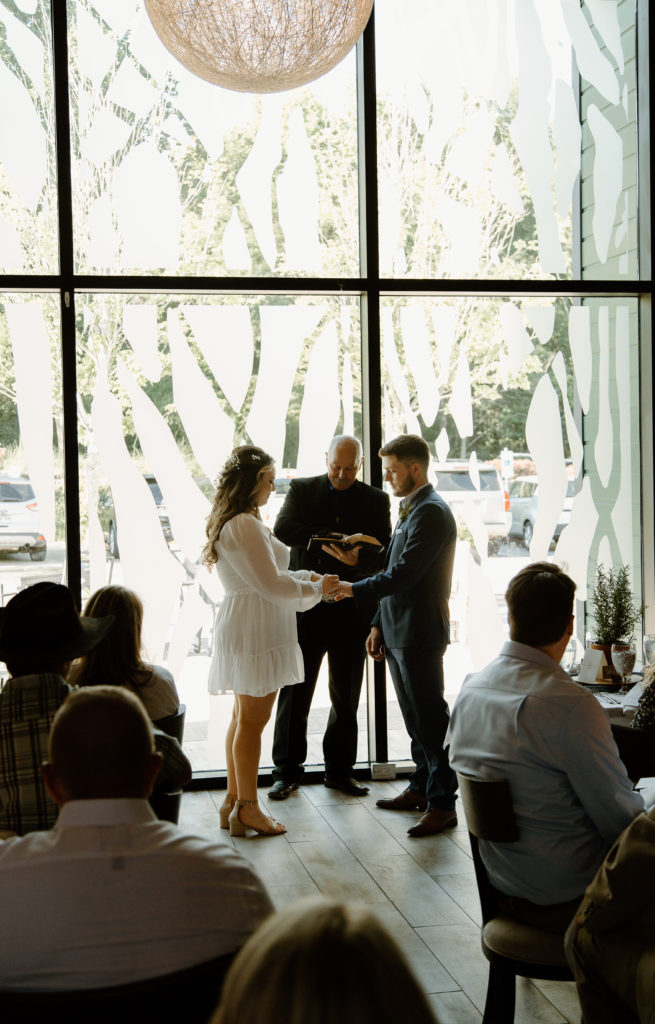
(522,718)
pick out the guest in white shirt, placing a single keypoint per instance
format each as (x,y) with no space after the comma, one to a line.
(110,894)
(522,718)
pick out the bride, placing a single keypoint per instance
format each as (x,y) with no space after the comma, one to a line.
(255,641)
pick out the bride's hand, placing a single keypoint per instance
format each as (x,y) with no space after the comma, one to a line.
(329,584)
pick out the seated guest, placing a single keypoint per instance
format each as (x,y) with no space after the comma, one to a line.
(644,716)
(117,660)
(522,718)
(322,962)
(110,894)
(634,739)
(40,633)
(610,944)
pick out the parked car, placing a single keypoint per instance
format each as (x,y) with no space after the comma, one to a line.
(20,529)
(524,507)
(456,486)
(107,514)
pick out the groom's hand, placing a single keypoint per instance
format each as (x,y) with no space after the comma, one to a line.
(374,644)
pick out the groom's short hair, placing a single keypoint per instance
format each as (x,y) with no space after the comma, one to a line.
(408,448)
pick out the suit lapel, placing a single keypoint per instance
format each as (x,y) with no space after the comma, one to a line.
(398,535)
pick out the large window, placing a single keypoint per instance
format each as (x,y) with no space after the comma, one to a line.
(444,235)
(174,176)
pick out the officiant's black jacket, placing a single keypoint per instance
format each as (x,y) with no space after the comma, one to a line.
(312,506)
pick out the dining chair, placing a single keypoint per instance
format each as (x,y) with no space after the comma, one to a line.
(636,749)
(173,725)
(510,947)
(167,803)
(190,996)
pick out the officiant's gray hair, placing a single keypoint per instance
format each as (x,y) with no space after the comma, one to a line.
(346,439)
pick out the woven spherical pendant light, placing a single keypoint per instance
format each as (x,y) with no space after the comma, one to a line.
(259,45)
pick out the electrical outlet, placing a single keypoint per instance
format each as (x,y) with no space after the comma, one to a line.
(385,770)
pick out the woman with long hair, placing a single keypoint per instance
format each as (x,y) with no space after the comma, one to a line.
(117,661)
(255,640)
(320,961)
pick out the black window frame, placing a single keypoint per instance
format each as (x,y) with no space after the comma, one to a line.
(370,286)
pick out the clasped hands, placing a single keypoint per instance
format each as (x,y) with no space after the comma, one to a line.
(338,589)
(333,587)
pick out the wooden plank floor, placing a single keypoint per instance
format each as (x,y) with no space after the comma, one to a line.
(423,889)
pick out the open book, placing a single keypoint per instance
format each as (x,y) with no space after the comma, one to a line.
(346,543)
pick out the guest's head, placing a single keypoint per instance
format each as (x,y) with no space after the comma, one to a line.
(100,747)
(116,660)
(246,481)
(41,630)
(405,462)
(322,962)
(540,605)
(343,459)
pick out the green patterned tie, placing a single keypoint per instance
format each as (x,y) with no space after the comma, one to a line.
(404,511)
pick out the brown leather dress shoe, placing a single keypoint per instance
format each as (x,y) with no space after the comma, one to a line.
(408,800)
(434,820)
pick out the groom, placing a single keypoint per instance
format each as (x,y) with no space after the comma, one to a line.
(412,627)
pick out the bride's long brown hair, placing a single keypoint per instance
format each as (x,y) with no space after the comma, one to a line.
(236,491)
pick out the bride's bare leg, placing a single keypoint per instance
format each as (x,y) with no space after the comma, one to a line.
(231,794)
(253,714)
(229,744)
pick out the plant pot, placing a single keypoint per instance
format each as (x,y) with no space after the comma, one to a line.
(610,675)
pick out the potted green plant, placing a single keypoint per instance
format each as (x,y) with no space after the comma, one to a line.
(614,611)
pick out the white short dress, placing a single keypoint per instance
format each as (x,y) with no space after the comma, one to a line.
(255,639)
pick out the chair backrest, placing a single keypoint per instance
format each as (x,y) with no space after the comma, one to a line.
(636,749)
(489,815)
(488,808)
(190,995)
(173,725)
(166,803)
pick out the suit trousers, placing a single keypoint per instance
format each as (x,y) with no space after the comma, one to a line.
(338,630)
(417,676)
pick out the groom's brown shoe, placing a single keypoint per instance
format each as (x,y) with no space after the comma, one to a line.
(408,800)
(434,820)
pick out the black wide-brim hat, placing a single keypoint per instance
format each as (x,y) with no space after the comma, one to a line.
(43,621)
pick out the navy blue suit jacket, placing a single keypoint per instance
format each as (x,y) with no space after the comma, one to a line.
(414,587)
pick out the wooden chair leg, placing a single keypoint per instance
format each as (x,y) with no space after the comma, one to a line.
(501,996)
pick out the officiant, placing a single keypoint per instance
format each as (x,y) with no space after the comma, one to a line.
(334,502)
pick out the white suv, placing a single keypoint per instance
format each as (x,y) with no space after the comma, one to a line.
(20,529)
(490,501)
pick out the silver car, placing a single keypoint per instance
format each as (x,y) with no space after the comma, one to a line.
(524,506)
(457,487)
(20,529)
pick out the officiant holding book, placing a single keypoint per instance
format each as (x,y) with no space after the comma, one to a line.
(319,517)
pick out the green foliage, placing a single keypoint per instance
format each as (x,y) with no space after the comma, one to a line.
(209,195)
(614,610)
